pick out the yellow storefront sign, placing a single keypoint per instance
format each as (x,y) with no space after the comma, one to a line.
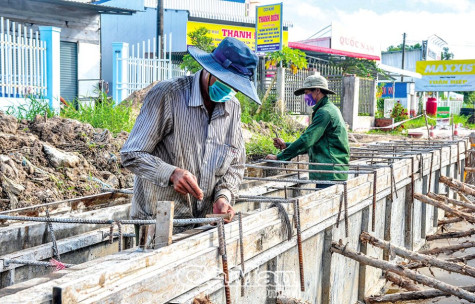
(220,31)
(446,67)
(446,75)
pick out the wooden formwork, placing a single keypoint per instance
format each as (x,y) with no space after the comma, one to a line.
(186,269)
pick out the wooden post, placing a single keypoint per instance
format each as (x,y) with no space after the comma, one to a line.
(160,234)
(456,185)
(425,199)
(414,256)
(420,278)
(280,87)
(402,282)
(412,295)
(449,221)
(450,235)
(452,201)
(164,226)
(449,249)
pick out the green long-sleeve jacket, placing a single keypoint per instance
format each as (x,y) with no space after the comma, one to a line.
(325,140)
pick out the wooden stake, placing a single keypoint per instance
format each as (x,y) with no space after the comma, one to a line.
(452,201)
(463,197)
(462,259)
(449,221)
(420,278)
(164,227)
(413,295)
(449,249)
(414,256)
(402,282)
(457,185)
(425,199)
(450,235)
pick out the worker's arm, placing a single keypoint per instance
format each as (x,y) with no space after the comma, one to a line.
(154,122)
(311,135)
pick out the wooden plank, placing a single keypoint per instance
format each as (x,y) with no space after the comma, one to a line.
(112,267)
(164,226)
(110,270)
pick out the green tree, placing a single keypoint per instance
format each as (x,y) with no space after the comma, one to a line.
(446,54)
(201,40)
(293,59)
(393,48)
(359,67)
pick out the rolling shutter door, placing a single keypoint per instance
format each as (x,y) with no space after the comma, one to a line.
(69,71)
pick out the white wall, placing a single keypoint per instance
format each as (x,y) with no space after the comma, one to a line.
(89,69)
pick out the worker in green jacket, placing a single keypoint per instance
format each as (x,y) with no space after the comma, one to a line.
(325,140)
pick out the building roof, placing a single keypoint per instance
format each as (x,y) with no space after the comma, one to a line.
(228,17)
(325,50)
(100,9)
(397,72)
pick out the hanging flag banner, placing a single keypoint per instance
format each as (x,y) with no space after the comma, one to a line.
(269,28)
(446,75)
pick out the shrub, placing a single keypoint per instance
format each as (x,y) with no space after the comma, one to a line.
(33,107)
(103,113)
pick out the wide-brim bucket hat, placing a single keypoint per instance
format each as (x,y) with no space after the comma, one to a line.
(233,63)
(314,82)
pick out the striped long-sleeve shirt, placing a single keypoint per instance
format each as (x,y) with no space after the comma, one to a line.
(174,130)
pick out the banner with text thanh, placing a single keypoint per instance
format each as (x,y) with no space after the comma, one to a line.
(218,32)
(446,75)
(269,28)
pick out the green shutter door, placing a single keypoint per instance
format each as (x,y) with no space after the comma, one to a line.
(69,71)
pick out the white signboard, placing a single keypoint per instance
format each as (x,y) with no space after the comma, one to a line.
(344,40)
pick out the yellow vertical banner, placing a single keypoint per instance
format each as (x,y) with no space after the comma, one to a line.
(269,28)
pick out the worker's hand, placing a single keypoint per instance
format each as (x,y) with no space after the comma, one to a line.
(184,182)
(271,157)
(221,206)
(279,143)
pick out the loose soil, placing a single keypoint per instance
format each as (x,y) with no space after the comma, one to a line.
(56,158)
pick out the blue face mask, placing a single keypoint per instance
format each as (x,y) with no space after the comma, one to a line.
(310,100)
(220,92)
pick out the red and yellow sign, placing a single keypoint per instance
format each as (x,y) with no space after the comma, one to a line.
(220,31)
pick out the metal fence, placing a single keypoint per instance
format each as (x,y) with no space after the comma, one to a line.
(212,6)
(366,96)
(296,104)
(455,105)
(22,61)
(145,65)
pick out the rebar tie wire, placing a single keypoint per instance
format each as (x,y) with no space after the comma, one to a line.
(53,237)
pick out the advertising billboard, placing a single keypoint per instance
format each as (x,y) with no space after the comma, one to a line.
(269,28)
(218,32)
(446,75)
(344,40)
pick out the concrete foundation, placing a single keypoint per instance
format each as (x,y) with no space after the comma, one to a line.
(272,269)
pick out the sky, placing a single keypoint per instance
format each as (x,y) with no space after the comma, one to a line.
(385,21)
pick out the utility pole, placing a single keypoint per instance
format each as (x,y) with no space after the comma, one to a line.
(403,51)
(160,39)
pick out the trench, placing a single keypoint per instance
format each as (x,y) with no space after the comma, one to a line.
(382,206)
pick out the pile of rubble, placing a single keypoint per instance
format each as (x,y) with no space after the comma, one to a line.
(51,159)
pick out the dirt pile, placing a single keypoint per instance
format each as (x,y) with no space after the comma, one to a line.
(56,158)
